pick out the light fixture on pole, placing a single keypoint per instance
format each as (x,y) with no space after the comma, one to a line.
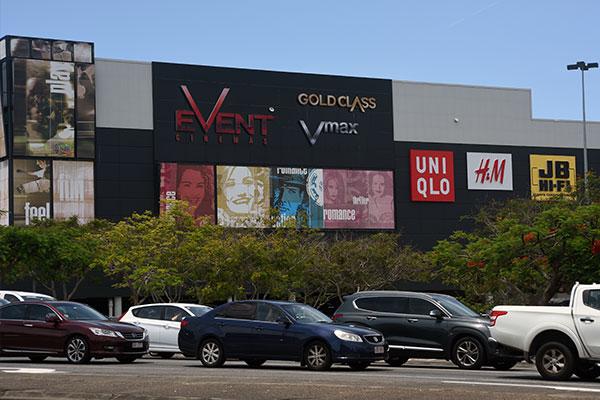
(581,65)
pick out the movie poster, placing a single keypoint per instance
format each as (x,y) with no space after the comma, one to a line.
(191,183)
(31,190)
(2,132)
(242,196)
(381,200)
(4,200)
(73,187)
(44,108)
(86,110)
(297,193)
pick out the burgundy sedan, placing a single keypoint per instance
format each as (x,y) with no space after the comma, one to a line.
(63,328)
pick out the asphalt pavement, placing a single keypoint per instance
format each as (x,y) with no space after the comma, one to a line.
(179,378)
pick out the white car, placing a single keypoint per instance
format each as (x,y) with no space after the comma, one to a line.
(14,296)
(162,321)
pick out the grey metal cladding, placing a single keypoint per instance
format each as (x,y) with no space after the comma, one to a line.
(441,113)
(124,94)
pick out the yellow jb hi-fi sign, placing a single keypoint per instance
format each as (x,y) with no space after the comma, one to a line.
(551,176)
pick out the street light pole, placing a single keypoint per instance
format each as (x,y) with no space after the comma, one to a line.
(581,65)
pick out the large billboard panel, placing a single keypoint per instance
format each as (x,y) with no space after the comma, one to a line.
(298,193)
(86,110)
(489,171)
(242,196)
(31,190)
(73,187)
(432,175)
(191,183)
(551,175)
(4,198)
(44,108)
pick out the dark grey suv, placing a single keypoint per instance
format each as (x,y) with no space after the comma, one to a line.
(423,325)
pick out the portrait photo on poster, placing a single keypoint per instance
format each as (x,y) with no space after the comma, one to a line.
(243,196)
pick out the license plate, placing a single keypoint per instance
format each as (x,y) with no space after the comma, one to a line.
(137,345)
(379,350)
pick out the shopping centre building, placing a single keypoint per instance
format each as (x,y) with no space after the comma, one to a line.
(101,138)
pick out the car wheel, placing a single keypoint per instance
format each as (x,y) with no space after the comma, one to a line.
(37,359)
(359,365)
(166,355)
(396,361)
(211,353)
(504,365)
(126,359)
(555,361)
(467,353)
(317,356)
(255,363)
(587,371)
(78,350)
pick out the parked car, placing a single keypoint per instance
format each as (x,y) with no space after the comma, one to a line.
(563,340)
(162,321)
(422,325)
(256,331)
(13,296)
(3,302)
(66,329)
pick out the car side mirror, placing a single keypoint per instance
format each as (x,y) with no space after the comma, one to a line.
(51,317)
(437,314)
(283,321)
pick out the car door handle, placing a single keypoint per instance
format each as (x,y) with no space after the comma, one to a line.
(166,326)
(371,318)
(413,320)
(28,325)
(587,320)
(259,329)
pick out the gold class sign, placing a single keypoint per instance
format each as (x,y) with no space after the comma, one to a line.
(551,175)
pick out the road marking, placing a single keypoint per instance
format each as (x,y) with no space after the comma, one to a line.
(31,371)
(523,385)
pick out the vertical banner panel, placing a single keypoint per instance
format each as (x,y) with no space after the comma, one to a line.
(242,196)
(4,199)
(86,110)
(73,187)
(3,150)
(31,190)
(381,200)
(298,193)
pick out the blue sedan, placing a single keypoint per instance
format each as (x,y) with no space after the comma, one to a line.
(256,331)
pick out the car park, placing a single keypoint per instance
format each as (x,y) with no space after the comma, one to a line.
(67,329)
(256,331)
(13,296)
(162,321)
(422,325)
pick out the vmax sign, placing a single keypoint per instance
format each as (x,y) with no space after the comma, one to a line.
(432,175)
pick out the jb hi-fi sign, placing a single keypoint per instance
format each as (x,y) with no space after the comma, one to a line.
(432,175)
(206,126)
(551,175)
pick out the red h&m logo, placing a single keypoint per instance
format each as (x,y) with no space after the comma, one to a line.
(496,174)
(489,171)
(224,123)
(432,175)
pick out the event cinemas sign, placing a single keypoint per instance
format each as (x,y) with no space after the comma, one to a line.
(194,124)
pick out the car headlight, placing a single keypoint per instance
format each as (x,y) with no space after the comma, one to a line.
(105,332)
(347,336)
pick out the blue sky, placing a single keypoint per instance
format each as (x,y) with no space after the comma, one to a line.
(508,43)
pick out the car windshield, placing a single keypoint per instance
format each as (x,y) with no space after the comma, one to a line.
(79,312)
(455,307)
(198,311)
(304,313)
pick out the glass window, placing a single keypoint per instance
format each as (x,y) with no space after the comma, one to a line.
(16,311)
(238,311)
(19,47)
(153,312)
(455,307)
(305,313)
(266,312)
(420,306)
(11,298)
(79,312)
(591,298)
(83,52)
(393,304)
(2,49)
(62,51)
(198,311)
(37,312)
(40,49)
(174,314)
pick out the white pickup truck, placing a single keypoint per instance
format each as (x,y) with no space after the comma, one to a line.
(563,340)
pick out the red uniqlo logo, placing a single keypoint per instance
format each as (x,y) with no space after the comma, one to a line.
(432,175)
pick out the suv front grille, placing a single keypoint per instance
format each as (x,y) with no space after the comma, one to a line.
(132,335)
(374,339)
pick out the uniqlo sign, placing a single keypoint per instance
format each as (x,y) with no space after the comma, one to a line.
(489,171)
(432,175)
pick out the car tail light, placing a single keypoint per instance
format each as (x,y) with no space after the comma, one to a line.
(184,323)
(494,316)
(337,316)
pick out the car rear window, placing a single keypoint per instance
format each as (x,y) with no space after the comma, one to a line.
(389,304)
(591,298)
